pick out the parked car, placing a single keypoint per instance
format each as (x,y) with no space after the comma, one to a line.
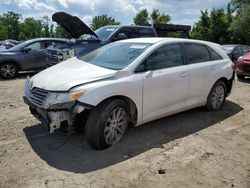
(88,40)
(29,55)
(234,51)
(243,66)
(129,82)
(5,45)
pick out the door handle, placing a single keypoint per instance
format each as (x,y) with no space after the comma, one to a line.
(183,74)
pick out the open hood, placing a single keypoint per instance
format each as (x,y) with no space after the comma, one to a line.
(72,24)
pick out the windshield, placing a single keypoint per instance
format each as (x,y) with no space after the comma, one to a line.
(115,56)
(104,32)
(228,48)
(20,46)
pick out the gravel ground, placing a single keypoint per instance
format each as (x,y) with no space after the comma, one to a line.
(191,149)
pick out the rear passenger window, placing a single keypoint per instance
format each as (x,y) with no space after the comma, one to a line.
(146,33)
(214,55)
(196,53)
(166,56)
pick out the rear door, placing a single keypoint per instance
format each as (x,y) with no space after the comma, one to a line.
(165,82)
(203,63)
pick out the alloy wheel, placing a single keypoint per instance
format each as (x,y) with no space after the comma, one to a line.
(8,71)
(115,125)
(218,97)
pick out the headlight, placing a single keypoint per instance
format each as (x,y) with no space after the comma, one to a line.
(63,100)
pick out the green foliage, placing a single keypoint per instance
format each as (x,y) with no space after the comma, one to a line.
(61,32)
(9,25)
(241,25)
(30,28)
(224,27)
(143,17)
(103,20)
(158,17)
(214,27)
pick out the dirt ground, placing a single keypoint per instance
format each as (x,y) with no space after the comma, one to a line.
(191,149)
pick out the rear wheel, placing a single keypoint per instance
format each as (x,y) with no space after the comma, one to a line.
(8,70)
(106,124)
(216,96)
(241,77)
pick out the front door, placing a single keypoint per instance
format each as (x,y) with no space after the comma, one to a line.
(165,82)
(35,58)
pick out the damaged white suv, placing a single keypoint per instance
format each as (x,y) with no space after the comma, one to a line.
(129,82)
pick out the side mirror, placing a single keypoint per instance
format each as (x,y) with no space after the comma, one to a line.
(121,36)
(26,49)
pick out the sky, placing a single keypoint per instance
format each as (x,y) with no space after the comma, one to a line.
(181,11)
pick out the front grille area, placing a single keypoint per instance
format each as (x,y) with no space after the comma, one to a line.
(38,96)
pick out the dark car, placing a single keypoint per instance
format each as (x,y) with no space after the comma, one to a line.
(243,66)
(234,51)
(88,40)
(28,55)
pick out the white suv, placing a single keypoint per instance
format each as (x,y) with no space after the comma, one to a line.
(129,82)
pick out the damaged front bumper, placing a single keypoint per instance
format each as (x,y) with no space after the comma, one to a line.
(51,113)
(53,119)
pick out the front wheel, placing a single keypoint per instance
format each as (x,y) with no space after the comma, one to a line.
(216,96)
(107,124)
(8,70)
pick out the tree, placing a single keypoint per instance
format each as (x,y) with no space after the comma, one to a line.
(45,23)
(60,32)
(201,28)
(157,17)
(142,18)
(102,20)
(9,25)
(240,26)
(30,28)
(214,27)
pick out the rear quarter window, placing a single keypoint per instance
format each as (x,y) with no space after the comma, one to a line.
(214,55)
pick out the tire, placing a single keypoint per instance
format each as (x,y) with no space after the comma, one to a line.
(216,97)
(101,123)
(8,70)
(240,77)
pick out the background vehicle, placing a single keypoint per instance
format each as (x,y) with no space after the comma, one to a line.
(234,51)
(243,66)
(131,81)
(29,55)
(88,40)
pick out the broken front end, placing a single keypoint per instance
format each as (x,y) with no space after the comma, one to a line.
(55,109)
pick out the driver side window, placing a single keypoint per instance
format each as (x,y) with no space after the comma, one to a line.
(36,46)
(165,56)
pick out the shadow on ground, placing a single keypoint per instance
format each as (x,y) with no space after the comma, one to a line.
(245,80)
(72,153)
